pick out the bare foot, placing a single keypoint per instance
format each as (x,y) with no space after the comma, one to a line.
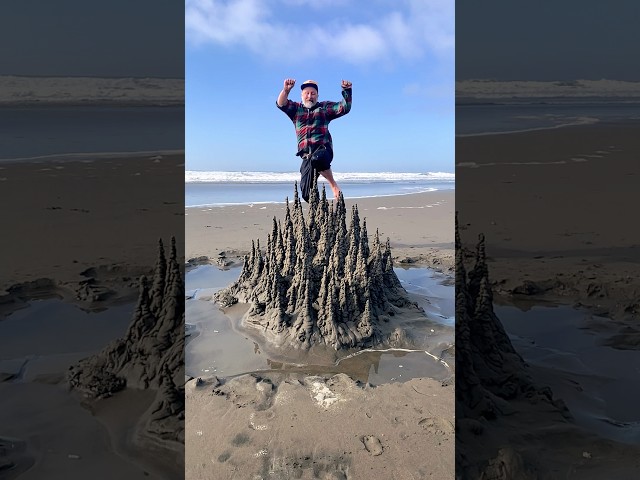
(328,174)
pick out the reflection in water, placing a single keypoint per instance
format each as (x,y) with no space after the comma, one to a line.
(216,347)
(376,366)
(433,291)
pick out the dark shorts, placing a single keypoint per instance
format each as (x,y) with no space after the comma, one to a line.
(319,161)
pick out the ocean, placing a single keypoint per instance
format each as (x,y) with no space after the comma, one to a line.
(215,188)
(499,116)
(33,132)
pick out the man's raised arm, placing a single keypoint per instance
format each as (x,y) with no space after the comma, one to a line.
(284,93)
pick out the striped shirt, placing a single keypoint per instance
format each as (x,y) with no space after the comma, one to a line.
(312,124)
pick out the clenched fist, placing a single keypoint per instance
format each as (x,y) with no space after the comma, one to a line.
(346,84)
(288,84)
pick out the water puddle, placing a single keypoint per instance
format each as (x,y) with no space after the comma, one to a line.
(599,384)
(215,347)
(434,292)
(49,335)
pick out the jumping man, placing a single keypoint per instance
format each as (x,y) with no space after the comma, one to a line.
(311,120)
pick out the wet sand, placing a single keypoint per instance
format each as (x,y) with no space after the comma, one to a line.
(566,224)
(554,206)
(82,230)
(88,212)
(300,424)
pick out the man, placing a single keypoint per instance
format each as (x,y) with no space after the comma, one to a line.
(311,120)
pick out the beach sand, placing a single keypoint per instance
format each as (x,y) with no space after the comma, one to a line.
(70,215)
(420,227)
(83,230)
(294,425)
(566,228)
(556,208)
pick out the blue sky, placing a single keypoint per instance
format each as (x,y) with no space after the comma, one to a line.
(398,54)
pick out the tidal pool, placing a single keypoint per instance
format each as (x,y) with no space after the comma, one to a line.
(49,335)
(568,347)
(215,346)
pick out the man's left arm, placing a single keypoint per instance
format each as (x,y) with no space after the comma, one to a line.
(338,109)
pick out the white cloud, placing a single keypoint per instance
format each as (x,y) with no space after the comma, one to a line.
(406,30)
(354,43)
(240,21)
(400,36)
(434,23)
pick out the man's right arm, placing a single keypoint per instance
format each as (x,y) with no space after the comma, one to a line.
(283,98)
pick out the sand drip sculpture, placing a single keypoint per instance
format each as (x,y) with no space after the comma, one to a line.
(319,282)
(490,377)
(149,356)
(490,372)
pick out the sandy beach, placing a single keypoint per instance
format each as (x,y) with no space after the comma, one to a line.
(82,230)
(565,225)
(88,212)
(420,227)
(554,208)
(296,424)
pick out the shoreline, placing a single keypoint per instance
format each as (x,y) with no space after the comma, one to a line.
(576,124)
(283,202)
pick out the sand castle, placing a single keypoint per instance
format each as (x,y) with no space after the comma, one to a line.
(490,370)
(491,373)
(319,282)
(149,356)
(491,377)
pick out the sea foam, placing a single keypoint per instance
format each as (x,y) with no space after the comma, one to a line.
(194,176)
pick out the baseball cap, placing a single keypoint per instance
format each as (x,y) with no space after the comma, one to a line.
(309,83)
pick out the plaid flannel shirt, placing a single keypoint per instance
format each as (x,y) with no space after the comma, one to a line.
(312,124)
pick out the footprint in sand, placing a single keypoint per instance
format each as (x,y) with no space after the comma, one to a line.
(437,425)
(372,444)
(240,439)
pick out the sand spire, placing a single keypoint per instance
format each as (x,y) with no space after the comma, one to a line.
(321,283)
(149,356)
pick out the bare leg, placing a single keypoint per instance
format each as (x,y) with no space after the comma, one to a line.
(334,186)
